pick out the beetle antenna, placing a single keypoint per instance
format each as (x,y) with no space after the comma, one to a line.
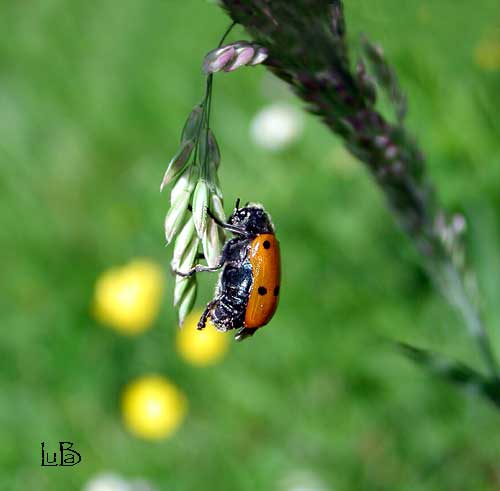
(237,204)
(226,226)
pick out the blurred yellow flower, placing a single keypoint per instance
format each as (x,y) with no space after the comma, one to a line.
(128,298)
(487,54)
(152,407)
(201,348)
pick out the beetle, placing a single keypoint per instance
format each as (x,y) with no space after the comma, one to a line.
(247,292)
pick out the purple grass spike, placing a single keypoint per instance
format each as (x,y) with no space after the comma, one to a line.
(260,56)
(244,54)
(218,59)
(233,56)
(308,50)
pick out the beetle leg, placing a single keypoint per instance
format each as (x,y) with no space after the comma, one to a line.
(199,268)
(244,333)
(206,314)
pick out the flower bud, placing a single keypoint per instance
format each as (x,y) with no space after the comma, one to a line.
(187,302)
(366,82)
(175,216)
(187,262)
(260,56)
(459,224)
(185,184)
(192,125)
(210,154)
(233,56)
(177,163)
(209,149)
(243,55)
(217,59)
(215,186)
(182,243)
(212,244)
(200,203)
(182,284)
(218,208)
(189,257)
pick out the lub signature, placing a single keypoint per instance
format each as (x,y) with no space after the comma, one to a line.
(64,456)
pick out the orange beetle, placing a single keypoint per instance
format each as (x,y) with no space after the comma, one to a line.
(248,290)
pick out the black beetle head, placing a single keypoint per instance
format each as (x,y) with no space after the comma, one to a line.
(252,218)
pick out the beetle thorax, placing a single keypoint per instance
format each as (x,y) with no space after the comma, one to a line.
(253,219)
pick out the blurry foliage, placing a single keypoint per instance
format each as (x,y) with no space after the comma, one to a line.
(92,96)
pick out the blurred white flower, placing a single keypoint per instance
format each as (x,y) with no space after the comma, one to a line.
(141,485)
(276,126)
(109,481)
(302,480)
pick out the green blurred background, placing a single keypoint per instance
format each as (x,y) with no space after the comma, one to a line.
(93,96)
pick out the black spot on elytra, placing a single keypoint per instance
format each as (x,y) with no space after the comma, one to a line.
(262,290)
(276,291)
(266,244)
